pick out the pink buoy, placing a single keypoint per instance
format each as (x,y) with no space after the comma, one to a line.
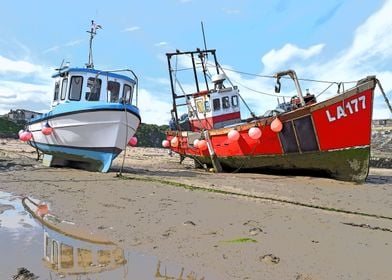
(174,142)
(254,133)
(233,135)
(276,125)
(165,143)
(202,145)
(133,141)
(196,143)
(20,132)
(47,129)
(25,136)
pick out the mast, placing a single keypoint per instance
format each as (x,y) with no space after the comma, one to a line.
(93,32)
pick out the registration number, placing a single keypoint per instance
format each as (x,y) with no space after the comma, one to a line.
(349,108)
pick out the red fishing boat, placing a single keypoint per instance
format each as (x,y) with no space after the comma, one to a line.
(330,137)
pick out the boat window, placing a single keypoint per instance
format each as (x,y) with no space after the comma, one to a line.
(66,256)
(207,106)
(56,91)
(55,253)
(113,91)
(234,101)
(200,106)
(48,245)
(225,102)
(85,258)
(75,90)
(104,257)
(127,94)
(216,104)
(118,255)
(94,86)
(64,88)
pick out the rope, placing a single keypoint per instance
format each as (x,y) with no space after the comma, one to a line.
(385,96)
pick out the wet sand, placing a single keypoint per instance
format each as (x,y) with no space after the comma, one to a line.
(221,226)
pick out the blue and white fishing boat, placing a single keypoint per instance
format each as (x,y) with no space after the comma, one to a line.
(93,117)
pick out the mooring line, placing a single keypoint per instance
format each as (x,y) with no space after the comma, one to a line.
(190,187)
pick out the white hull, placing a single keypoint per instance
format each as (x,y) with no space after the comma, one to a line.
(97,129)
(94,137)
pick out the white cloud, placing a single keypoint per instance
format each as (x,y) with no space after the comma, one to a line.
(52,49)
(156,111)
(160,44)
(231,11)
(368,54)
(131,29)
(275,59)
(17,66)
(74,43)
(16,92)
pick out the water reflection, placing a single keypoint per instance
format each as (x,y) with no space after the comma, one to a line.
(68,250)
(188,276)
(51,248)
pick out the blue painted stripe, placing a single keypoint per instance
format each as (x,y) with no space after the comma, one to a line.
(103,159)
(74,107)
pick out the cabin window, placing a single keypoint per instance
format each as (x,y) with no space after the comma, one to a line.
(66,253)
(56,91)
(207,106)
(55,253)
(127,94)
(85,258)
(234,101)
(64,88)
(75,91)
(48,245)
(200,106)
(104,257)
(94,86)
(113,91)
(225,102)
(216,104)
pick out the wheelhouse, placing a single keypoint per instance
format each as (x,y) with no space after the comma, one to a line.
(90,85)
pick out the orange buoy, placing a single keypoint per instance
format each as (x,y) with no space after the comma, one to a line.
(276,125)
(254,133)
(174,142)
(233,135)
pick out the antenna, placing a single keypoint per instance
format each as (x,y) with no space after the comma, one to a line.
(204,37)
(93,32)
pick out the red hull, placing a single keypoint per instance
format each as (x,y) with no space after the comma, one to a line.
(341,123)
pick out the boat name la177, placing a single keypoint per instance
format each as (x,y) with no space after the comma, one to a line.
(351,106)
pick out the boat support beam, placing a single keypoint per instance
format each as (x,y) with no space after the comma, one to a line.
(214,159)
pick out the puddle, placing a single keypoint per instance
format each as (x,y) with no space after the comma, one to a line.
(55,249)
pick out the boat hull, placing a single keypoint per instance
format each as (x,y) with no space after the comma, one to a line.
(331,137)
(86,137)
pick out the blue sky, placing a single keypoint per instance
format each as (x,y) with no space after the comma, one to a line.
(327,40)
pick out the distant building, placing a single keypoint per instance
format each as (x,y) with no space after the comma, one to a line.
(21,115)
(382,125)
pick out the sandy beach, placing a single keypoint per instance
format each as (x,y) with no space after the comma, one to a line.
(220,226)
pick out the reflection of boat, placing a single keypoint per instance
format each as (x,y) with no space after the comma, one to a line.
(332,136)
(68,250)
(187,276)
(93,116)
